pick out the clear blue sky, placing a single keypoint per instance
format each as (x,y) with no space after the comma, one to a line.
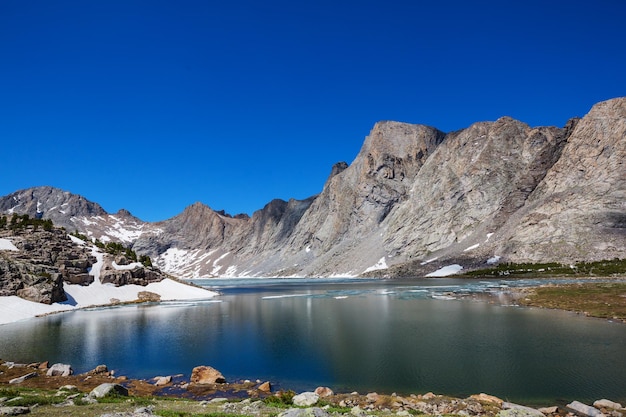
(153,105)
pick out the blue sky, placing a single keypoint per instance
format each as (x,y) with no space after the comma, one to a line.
(153,105)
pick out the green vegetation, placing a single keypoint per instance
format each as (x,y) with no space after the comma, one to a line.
(25,397)
(20,222)
(598,268)
(115,248)
(282,399)
(604,300)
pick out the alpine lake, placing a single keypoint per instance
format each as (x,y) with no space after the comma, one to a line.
(450,336)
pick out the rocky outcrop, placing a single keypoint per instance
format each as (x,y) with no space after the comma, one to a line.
(43,262)
(413,200)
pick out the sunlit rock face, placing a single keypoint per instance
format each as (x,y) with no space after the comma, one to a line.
(414,200)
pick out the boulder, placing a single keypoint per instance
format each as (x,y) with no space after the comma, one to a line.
(121,260)
(372,397)
(206,375)
(357,411)
(305,399)
(107,389)
(516,410)
(584,409)
(13,411)
(98,370)
(148,296)
(60,369)
(607,404)
(304,412)
(487,398)
(324,392)
(23,378)
(549,410)
(265,387)
(162,380)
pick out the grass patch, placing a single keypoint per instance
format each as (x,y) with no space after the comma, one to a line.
(598,268)
(28,400)
(282,399)
(604,300)
(9,392)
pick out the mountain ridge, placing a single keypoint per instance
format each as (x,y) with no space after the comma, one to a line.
(412,194)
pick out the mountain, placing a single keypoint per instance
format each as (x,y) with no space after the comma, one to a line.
(413,200)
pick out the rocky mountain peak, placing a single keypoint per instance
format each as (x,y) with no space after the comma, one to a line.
(495,190)
(50,203)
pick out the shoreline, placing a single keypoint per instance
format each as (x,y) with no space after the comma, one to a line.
(16,309)
(170,392)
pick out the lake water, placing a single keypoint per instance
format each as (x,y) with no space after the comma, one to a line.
(384,336)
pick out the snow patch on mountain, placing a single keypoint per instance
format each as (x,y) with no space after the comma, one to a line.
(6,244)
(381,264)
(446,271)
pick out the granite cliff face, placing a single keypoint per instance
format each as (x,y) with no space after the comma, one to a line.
(413,199)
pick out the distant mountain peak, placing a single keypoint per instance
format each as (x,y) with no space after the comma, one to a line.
(414,199)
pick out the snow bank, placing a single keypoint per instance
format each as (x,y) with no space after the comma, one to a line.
(446,271)
(381,264)
(97,294)
(14,309)
(6,244)
(130,266)
(493,260)
(471,247)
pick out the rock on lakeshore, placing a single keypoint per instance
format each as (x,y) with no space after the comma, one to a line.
(206,375)
(305,399)
(60,369)
(105,389)
(584,409)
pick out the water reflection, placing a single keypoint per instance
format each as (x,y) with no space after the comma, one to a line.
(366,336)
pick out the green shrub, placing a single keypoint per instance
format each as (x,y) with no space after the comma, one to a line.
(281,399)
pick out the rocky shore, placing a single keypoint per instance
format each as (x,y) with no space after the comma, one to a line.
(54,390)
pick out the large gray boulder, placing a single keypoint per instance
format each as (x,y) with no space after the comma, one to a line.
(23,378)
(60,369)
(584,409)
(304,412)
(305,399)
(516,410)
(107,389)
(13,411)
(604,403)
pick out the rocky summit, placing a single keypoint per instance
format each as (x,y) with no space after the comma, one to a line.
(413,200)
